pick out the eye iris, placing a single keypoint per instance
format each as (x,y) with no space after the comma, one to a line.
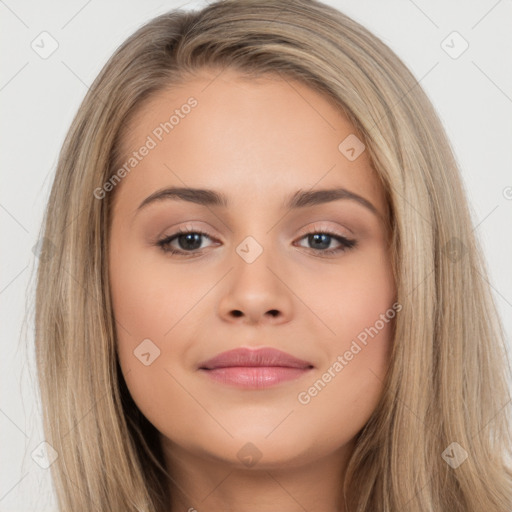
(195,238)
(319,237)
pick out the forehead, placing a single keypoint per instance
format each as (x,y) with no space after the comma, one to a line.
(251,138)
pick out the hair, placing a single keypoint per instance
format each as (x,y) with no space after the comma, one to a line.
(448,379)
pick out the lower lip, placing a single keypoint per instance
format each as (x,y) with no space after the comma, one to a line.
(255,377)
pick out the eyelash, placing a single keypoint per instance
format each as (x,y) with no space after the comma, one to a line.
(346,243)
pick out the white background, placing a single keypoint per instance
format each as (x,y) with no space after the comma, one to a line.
(38,97)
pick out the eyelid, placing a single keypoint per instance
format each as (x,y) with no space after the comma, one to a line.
(319,227)
(316,227)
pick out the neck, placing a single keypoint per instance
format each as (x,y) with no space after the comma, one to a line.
(201,483)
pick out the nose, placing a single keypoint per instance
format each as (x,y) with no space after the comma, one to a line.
(256,292)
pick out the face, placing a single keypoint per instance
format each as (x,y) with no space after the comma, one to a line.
(192,277)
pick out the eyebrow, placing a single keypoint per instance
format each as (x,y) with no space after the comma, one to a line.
(299,199)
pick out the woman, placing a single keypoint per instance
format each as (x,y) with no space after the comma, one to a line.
(264,370)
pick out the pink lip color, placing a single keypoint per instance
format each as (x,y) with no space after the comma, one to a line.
(254,369)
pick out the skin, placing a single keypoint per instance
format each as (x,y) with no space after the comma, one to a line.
(257,141)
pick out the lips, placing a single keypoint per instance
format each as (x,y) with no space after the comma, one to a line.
(264,357)
(254,369)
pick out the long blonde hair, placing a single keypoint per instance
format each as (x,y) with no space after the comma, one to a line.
(449,373)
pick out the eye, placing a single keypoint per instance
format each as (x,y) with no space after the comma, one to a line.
(319,239)
(189,239)
(190,242)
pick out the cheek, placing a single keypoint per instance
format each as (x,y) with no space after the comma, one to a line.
(357,307)
(149,301)
(351,297)
(153,325)
(348,386)
(141,318)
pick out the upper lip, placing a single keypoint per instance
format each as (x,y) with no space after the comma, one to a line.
(254,357)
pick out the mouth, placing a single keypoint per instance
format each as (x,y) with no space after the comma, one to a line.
(254,369)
